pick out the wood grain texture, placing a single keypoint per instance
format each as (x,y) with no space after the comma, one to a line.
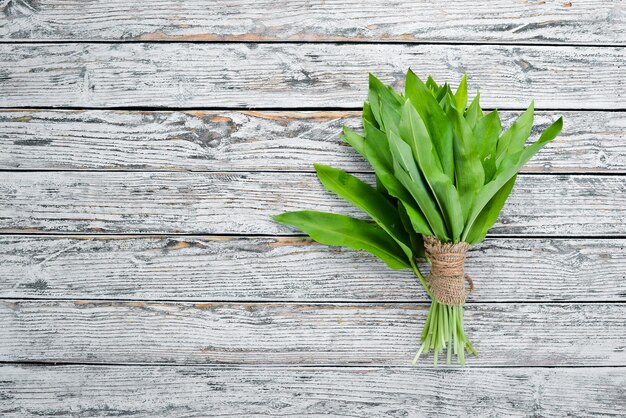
(268,391)
(257,141)
(242,203)
(583,21)
(301,75)
(317,334)
(295,269)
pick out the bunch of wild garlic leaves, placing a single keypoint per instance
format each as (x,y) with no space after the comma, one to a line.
(443,169)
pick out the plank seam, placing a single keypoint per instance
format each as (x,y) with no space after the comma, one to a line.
(251,235)
(309,302)
(61,234)
(90,235)
(617,173)
(66,41)
(303,303)
(279,109)
(40,363)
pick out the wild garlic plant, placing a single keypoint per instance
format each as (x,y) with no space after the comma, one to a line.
(444,170)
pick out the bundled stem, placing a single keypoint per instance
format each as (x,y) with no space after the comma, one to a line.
(444,331)
(446,282)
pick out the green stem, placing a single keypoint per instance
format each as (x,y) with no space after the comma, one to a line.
(421,278)
(451,341)
(443,331)
(443,328)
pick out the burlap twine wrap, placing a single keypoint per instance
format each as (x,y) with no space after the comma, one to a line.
(447,275)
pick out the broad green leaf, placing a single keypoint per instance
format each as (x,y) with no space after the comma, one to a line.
(489,215)
(366,198)
(428,211)
(377,142)
(417,243)
(436,122)
(417,218)
(551,131)
(368,115)
(392,106)
(376,152)
(460,97)
(413,128)
(442,93)
(411,178)
(487,131)
(398,97)
(374,100)
(344,231)
(379,156)
(469,172)
(355,140)
(360,144)
(474,112)
(432,85)
(391,117)
(515,137)
(383,103)
(508,168)
(380,187)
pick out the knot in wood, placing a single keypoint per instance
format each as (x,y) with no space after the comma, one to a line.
(447,275)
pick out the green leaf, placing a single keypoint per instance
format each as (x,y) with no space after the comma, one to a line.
(379,156)
(366,198)
(551,131)
(341,230)
(515,137)
(417,218)
(432,85)
(470,175)
(474,112)
(398,97)
(378,145)
(508,168)
(487,131)
(374,100)
(436,122)
(384,104)
(368,115)
(410,176)
(417,243)
(355,140)
(413,128)
(380,187)
(489,215)
(442,93)
(460,97)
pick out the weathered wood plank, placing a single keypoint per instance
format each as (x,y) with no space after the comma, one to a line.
(255,141)
(584,21)
(242,203)
(270,391)
(296,75)
(291,269)
(319,334)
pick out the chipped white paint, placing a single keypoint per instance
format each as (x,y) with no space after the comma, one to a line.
(257,141)
(295,75)
(580,21)
(296,269)
(312,334)
(149,391)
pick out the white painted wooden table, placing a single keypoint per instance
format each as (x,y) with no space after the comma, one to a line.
(144,147)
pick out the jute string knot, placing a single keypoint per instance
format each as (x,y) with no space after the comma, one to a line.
(447,275)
